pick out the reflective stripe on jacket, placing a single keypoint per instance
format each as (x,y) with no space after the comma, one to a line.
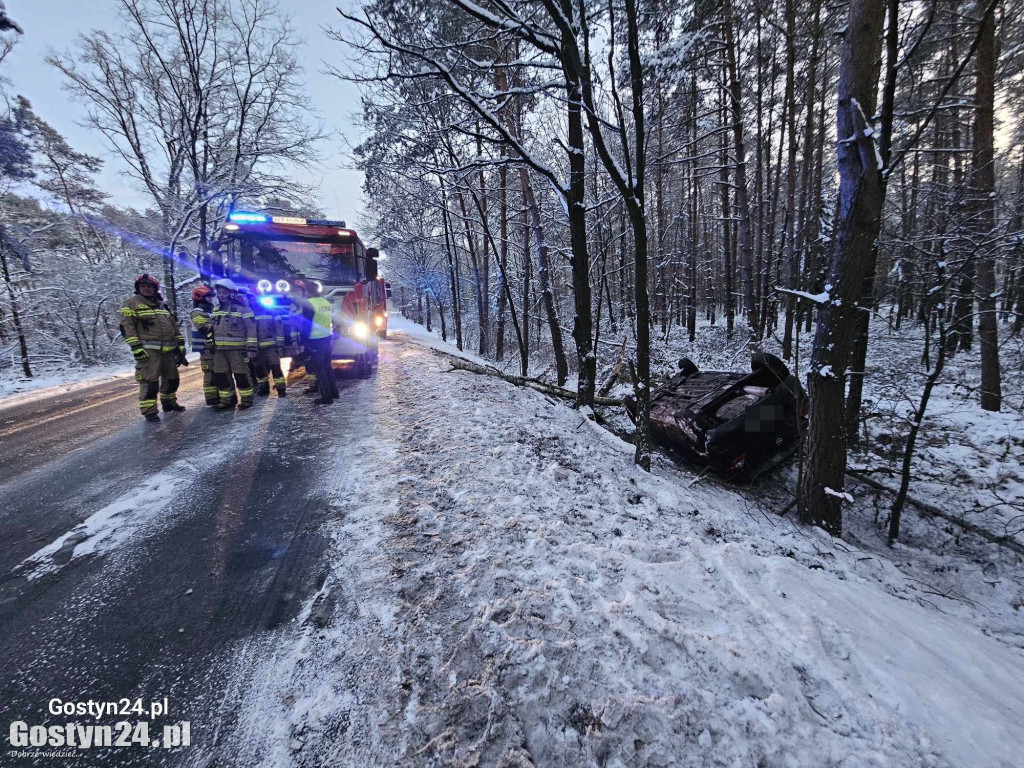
(267,330)
(234,325)
(201,317)
(149,324)
(322,312)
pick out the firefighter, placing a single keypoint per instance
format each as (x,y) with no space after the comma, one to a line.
(270,337)
(156,342)
(235,344)
(202,338)
(316,329)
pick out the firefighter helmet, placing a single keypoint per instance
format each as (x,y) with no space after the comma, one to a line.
(225,282)
(144,278)
(201,293)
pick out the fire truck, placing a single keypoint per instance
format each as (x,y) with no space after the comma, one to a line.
(268,253)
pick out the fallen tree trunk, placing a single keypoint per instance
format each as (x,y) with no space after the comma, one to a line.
(614,375)
(1002,541)
(458,364)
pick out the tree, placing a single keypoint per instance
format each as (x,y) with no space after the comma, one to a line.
(861,194)
(198,99)
(983,189)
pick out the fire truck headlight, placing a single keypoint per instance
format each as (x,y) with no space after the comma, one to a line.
(378,321)
(282,286)
(319,286)
(264,286)
(360,330)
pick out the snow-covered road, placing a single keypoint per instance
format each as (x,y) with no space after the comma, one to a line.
(453,571)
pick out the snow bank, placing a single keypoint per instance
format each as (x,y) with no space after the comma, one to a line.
(511,590)
(20,390)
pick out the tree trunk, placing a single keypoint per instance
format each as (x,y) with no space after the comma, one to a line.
(792,258)
(983,178)
(861,195)
(579,260)
(727,251)
(742,200)
(15,314)
(859,358)
(453,269)
(547,295)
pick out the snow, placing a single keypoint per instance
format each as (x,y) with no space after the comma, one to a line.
(20,390)
(110,526)
(150,505)
(511,590)
(17,391)
(838,494)
(817,298)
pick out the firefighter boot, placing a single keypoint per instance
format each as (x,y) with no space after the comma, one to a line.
(225,391)
(153,418)
(245,392)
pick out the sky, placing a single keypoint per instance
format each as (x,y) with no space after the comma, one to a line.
(54,25)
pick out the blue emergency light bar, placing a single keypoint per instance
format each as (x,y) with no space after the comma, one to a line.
(268,301)
(244,217)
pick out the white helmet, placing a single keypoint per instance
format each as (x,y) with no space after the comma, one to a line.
(226,283)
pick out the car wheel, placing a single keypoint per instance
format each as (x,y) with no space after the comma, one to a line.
(687,367)
(766,361)
(364,368)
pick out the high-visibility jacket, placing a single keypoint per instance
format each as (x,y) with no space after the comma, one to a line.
(149,324)
(234,325)
(201,318)
(322,312)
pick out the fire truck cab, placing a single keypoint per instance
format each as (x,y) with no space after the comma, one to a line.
(268,253)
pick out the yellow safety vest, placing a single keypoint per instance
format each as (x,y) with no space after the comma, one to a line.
(321,318)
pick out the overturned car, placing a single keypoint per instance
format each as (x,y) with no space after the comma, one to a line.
(736,423)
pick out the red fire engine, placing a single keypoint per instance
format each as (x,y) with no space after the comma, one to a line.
(269,252)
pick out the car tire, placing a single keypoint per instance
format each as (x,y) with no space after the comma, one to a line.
(364,367)
(766,361)
(687,367)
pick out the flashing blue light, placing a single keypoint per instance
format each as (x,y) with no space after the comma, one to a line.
(247,218)
(268,301)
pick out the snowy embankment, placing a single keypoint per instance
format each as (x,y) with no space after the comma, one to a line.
(19,390)
(507,588)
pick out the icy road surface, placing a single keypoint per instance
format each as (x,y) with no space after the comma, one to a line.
(444,570)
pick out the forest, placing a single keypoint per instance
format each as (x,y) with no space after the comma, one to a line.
(560,184)
(579,192)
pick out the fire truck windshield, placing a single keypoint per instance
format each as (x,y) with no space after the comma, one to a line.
(330,263)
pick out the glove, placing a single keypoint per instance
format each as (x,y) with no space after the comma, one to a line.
(180,359)
(140,354)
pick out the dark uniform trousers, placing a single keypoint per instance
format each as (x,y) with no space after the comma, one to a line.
(157,374)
